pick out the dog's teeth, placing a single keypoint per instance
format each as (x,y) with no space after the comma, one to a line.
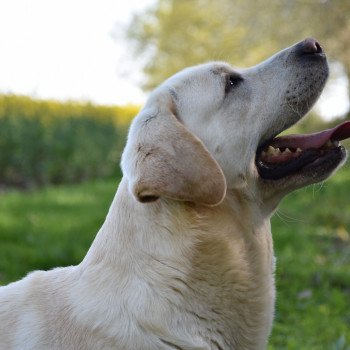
(277,152)
(335,143)
(287,150)
(271,150)
(298,150)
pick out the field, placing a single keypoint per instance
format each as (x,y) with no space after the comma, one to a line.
(55,226)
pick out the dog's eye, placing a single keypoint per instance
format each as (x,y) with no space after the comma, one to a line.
(232,81)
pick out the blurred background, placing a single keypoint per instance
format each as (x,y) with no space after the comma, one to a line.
(73,74)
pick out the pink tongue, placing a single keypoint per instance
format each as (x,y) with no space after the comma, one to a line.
(316,140)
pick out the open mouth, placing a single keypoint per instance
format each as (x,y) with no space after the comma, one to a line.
(291,154)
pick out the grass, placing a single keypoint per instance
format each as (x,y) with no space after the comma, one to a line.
(312,245)
(50,227)
(55,226)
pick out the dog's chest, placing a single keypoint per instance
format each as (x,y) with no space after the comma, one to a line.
(201,285)
(231,290)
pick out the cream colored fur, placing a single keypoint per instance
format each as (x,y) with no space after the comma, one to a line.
(184,259)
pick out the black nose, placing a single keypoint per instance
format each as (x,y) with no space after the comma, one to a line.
(309,46)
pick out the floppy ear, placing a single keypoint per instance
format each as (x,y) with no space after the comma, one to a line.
(164,159)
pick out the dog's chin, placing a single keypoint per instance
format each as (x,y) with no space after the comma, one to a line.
(293,161)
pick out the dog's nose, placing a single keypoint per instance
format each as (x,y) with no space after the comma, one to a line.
(310,46)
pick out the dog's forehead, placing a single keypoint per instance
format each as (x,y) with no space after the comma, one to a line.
(221,69)
(212,70)
(216,70)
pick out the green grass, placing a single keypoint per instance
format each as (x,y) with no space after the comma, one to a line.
(55,226)
(312,245)
(50,227)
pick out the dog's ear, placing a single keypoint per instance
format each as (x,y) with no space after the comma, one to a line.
(164,159)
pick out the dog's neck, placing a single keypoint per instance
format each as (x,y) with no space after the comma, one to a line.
(123,236)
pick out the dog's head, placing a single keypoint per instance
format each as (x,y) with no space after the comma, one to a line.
(210,129)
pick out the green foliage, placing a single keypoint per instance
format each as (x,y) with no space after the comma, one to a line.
(311,230)
(48,111)
(45,142)
(176,34)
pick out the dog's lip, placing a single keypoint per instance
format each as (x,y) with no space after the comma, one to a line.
(302,151)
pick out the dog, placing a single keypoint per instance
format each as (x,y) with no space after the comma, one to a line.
(184,259)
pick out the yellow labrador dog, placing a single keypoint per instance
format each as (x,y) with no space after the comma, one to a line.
(184,259)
